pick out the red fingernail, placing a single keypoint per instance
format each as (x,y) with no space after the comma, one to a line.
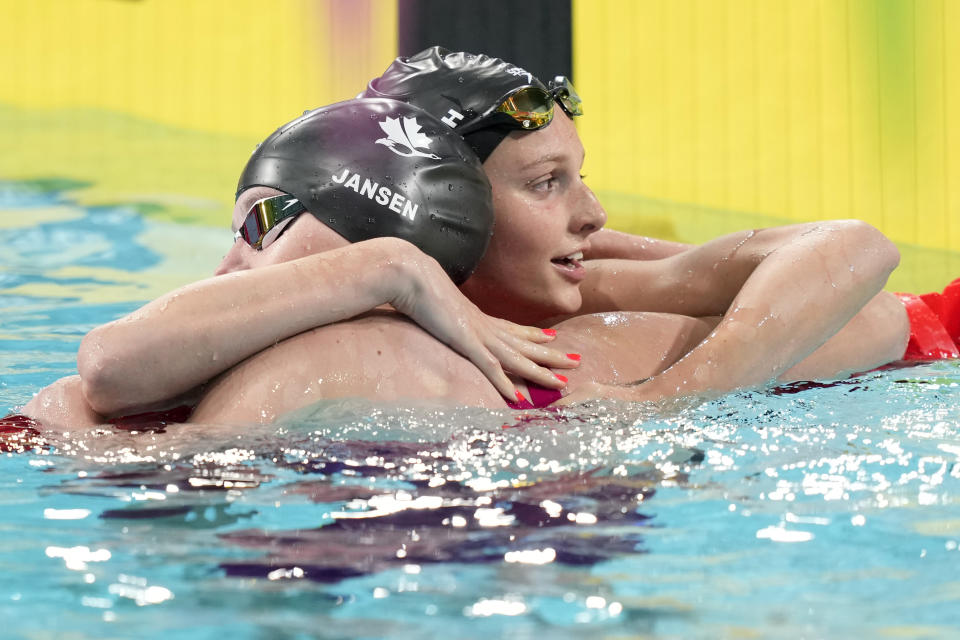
(561,378)
(520,397)
(574,356)
(550,332)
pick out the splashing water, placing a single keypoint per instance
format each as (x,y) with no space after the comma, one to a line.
(818,510)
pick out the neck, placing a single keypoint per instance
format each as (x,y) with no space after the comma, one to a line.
(493,303)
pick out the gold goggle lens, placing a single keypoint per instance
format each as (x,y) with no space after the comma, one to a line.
(532,107)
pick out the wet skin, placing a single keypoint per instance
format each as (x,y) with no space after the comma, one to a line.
(544,213)
(386,357)
(302,236)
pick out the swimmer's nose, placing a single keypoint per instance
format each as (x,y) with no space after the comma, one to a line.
(590,215)
(233,261)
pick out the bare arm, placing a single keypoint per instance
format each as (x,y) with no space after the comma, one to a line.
(185,338)
(877,335)
(782,292)
(62,406)
(608,243)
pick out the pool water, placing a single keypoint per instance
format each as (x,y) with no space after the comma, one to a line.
(808,511)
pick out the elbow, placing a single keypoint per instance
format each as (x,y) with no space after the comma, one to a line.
(97,384)
(886,252)
(872,253)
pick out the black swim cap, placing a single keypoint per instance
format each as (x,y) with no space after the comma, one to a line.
(373,168)
(456,87)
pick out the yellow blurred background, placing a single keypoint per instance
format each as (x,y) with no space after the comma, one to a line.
(710,115)
(703,116)
(160,102)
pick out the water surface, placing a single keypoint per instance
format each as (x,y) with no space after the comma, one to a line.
(808,511)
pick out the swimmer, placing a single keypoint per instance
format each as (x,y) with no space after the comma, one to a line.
(336,170)
(782,293)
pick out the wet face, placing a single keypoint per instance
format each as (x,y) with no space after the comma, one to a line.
(544,216)
(302,236)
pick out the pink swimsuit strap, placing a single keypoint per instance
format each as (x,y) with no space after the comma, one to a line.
(539,397)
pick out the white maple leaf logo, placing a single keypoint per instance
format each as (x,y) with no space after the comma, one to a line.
(405,139)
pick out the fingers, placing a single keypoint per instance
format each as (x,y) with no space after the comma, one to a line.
(529,359)
(531,334)
(541,375)
(496,346)
(478,342)
(529,340)
(499,356)
(534,353)
(519,365)
(490,366)
(543,355)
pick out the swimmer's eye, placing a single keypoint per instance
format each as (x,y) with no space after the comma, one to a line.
(547,183)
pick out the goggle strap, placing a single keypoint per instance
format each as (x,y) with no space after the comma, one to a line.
(563,92)
(560,91)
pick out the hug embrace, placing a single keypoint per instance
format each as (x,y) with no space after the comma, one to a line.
(434,240)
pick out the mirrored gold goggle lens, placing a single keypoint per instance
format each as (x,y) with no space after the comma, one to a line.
(265,215)
(532,107)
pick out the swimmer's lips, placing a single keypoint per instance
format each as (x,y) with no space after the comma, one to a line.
(571,266)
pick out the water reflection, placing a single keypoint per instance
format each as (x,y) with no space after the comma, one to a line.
(448,493)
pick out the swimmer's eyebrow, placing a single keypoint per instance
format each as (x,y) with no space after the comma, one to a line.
(549,157)
(545,158)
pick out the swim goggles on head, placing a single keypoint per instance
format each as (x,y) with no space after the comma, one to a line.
(531,107)
(264,221)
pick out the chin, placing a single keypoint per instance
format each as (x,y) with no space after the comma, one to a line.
(564,303)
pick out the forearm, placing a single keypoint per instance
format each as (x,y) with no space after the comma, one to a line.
(877,335)
(185,338)
(608,243)
(797,288)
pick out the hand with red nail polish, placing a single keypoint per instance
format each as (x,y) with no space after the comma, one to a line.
(496,346)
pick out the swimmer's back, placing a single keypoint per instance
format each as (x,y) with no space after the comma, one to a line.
(383,356)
